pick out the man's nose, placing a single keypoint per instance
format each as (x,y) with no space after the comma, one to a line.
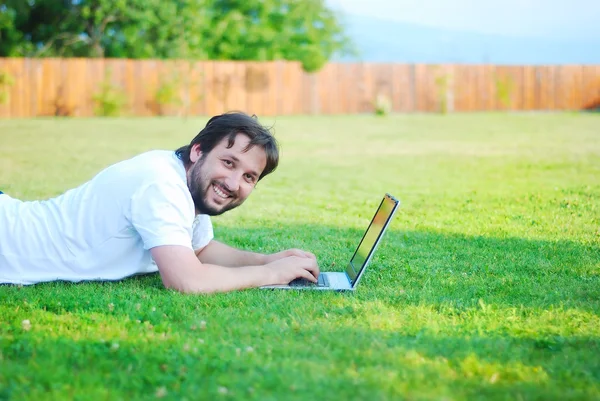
(233,182)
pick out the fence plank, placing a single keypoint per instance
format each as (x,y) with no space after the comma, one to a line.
(289,94)
(325,96)
(470,84)
(488,91)
(420,87)
(16,90)
(4,105)
(575,84)
(365,84)
(529,88)
(460,84)
(354,89)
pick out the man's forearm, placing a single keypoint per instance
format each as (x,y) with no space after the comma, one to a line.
(220,254)
(181,270)
(213,278)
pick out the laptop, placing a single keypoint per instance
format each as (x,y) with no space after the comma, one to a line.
(348,280)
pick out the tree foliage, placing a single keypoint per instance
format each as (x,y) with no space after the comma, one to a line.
(303,30)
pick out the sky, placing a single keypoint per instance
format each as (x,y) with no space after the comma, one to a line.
(541,18)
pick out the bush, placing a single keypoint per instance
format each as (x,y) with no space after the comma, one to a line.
(110,99)
(168,94)
(383,105)
(443,83)
(504,90)
(6,80)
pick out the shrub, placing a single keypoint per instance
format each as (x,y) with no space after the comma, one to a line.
(168,94)
(504,90)
(6,80)
(110,99)
(443,83)
(383,105)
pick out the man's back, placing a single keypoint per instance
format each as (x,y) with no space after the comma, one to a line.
(101,229)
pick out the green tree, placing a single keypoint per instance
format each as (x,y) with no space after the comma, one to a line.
(162,29)
(100,28)
(13,17)
(58,27)
(303,30)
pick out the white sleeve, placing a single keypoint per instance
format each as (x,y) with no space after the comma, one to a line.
(163,213)
(202,232)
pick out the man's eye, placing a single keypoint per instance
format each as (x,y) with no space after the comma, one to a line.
(227,162)
(249,177)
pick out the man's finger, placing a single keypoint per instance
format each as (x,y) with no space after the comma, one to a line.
(314,270)
(304,254)
(300,252)
(310,255)
(306,274)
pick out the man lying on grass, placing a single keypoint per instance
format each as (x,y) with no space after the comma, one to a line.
(152,213)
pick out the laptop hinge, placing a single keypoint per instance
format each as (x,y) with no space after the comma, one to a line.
(349,279)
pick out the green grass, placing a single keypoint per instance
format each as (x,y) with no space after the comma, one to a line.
(486,285)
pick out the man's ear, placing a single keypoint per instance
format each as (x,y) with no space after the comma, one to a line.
(195,153)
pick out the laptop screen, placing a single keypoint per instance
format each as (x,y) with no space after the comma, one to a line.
(369,240)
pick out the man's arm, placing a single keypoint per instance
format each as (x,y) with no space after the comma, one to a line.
(220,254)
(181,270)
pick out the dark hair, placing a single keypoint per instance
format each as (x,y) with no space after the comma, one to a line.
(229,125)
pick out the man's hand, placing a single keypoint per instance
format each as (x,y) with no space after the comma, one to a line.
(287,253)
(289,268)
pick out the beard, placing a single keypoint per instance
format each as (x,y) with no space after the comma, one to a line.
(200,186)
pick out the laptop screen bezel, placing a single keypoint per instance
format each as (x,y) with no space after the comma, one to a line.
(396,202)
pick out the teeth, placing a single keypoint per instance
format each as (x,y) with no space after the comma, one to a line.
(220,193)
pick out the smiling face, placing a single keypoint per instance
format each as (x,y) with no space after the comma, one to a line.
(223,178)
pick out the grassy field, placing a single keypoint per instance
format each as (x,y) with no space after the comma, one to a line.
(486,286)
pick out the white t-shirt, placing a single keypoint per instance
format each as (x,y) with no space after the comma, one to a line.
(105,228)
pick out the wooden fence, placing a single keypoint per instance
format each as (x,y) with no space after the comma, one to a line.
(49,87)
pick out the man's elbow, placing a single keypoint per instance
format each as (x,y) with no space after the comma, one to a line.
(188,286)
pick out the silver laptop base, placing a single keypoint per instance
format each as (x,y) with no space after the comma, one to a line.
(337,281)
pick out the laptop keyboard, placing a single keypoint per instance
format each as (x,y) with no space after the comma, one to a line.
(302,282)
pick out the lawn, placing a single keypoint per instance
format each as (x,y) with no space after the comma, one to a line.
(486,286)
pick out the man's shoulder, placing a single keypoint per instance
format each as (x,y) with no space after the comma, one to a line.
(160,168)
(150,164)
(151,157)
